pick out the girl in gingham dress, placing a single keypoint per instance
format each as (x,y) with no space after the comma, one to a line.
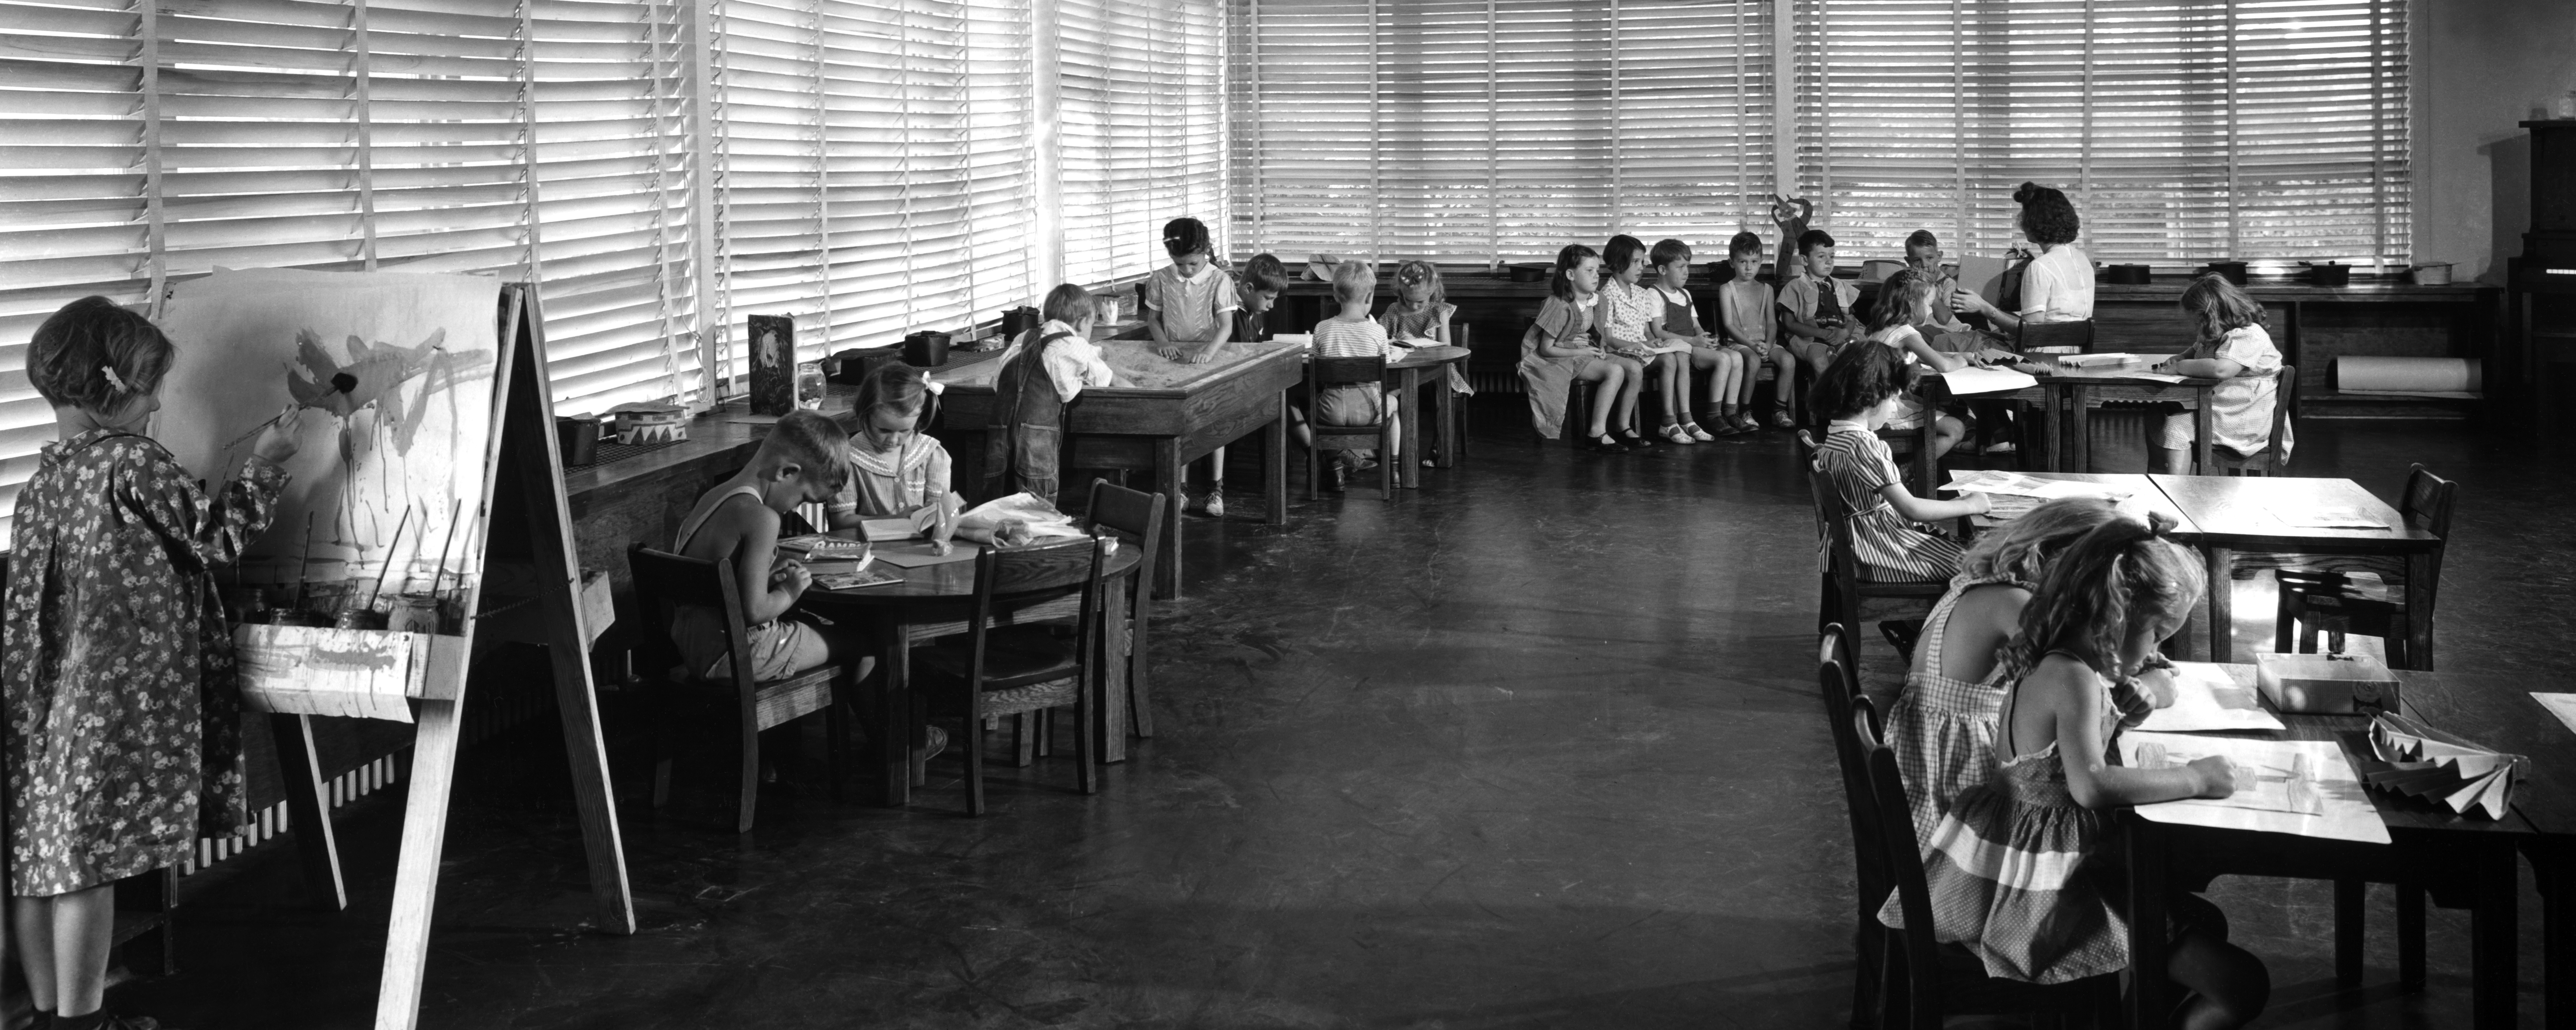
(1942,727)
(124,732)
(1189,310)
(1861,390)
(2024,871)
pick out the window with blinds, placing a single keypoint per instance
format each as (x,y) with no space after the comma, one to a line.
(540,141)
(1141,124)
(1464,130)
(875,164)
(2184,131)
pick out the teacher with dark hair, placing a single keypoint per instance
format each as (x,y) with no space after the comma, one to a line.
(2057,286)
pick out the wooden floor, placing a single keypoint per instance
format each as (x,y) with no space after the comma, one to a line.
(1535,746)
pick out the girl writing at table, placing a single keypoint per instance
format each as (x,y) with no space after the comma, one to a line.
(124,731)
(1942,726)
(1422,311)
(1860,391)
(2231,345)
(2025,869)
(1189,310)
(896,470)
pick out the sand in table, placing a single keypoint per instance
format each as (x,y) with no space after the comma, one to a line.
(1138,366)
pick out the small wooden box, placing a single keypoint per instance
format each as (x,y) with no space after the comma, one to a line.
(2319,684)
(651,423)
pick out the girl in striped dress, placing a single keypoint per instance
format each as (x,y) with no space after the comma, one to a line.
(1942,727)
(2024,870)
(1861,390)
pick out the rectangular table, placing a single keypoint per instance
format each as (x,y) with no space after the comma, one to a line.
(2244,513)
(1172,415)
(2467,859)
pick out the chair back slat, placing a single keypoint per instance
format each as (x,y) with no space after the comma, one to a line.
(1132,512)
(1345,371)
(1895,821)
(1868,854)
(2054,334)
(665,581)
(2427,504)
(1035,568)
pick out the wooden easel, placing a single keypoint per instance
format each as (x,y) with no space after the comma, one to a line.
(523,445)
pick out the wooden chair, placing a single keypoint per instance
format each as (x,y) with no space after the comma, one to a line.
(2315,599)
(1137,519)
(2054,334)
(1845,591)
(1000,671)
(1927,981)
(1367,373)
(666,581)
(1839,684)
(2268,461)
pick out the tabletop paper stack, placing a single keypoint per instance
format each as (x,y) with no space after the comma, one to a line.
(2425,762)
(2015,494)
(836,562)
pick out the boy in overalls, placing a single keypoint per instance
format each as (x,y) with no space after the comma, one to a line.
(1040,375)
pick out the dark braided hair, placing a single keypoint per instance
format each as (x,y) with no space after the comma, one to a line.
(1183,237)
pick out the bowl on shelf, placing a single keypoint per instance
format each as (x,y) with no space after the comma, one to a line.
(2234,271)
(2126,275)
(2329,274)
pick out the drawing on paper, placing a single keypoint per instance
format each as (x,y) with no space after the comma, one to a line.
(394,372)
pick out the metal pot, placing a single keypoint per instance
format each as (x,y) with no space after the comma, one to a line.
(577,436)
(2329,274)
(2234,271)
(925,349)
(2126,275)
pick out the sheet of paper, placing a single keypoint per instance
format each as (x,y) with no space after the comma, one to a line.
(2561,705)
(913,554)
(1416,341)
(1987,380)
(2207,700)
(2302,517)
(2159,377)
(2107,359)
(1998,481)
(2301,787)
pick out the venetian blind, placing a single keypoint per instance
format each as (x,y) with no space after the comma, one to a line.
(533,142)
(1142,128)
(875,163)
(2184,131)
(1469,129)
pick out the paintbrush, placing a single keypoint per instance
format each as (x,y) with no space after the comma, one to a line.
(304,563)
(458,515)
(390,547)
(341,382)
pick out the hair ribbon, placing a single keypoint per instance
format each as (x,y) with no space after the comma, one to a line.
(934,386)
(114,382)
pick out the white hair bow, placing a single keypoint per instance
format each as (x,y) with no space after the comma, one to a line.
(113,381)
(934,386)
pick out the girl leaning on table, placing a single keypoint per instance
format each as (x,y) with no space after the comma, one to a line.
(896,469)
(2025,869)
(2231,345)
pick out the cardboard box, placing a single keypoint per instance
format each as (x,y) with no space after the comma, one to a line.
(2321,684)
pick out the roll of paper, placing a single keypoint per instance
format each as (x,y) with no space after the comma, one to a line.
(2437,377)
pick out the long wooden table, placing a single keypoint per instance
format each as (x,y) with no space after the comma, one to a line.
(1185,412)
(2244,513)
(2066,395)
(2463,861)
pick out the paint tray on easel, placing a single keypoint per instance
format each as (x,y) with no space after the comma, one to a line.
(2427,763)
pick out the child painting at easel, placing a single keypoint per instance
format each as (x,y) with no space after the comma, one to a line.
(124,733)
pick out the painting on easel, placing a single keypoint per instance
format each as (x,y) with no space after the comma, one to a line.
(395,374)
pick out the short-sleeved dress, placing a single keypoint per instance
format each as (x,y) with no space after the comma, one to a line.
(124,736)
(895,481)
(1401,322)
(1890,549)
(2240,409)
(1943,729)
(1191,309)
(1550,379)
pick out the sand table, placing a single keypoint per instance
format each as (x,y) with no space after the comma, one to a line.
(1138,366)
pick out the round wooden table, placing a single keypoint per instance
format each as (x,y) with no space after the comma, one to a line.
(934,601)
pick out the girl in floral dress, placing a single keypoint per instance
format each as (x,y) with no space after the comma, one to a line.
(124,729)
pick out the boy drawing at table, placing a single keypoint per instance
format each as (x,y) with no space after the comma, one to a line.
(800,462)
(2231,345)
(1816,308)
(2024,869)
(1745,318)
(1041,373)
